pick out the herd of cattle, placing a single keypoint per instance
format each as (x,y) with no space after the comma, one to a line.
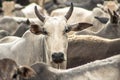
(60,40)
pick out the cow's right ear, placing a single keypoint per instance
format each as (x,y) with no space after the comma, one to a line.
(35,29)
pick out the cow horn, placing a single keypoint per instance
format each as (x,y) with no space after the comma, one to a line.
(41,17)
(69,13)
(110,13)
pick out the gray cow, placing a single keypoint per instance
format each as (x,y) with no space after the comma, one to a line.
(8,24)
(89,4)
(22,28)
(86,4)
(107,69)
(19,30)
(9,70)
(41,43)
(85,48)
(110,30)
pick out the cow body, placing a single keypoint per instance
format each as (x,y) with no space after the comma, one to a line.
(9,70)
(88,48)
(8,24)
(16,48)
(8,39)
(28,11)
(89,4)
(83,15)
(107,69)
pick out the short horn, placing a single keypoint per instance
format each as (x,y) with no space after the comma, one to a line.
(110,13)
(41,17)
(69,13)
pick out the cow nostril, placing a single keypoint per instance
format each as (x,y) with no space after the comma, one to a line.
(61,54)
(54,55)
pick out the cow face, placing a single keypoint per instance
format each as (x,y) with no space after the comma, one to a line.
(10,71)
(56,39)
(55,29)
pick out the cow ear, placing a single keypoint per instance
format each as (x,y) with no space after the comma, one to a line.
(103,20)
(79,26)
(28,21)
(35,29)
(26,72)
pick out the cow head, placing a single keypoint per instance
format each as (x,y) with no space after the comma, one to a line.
(114,18)
(9,70)
(55,29)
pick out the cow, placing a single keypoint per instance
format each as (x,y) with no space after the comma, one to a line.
(106,69)
(10,70)
(8,24)
(54,4)
(89,4)
(21,2)
(112,5)
(22,28)
(41,43)
(83,15)
(10,9)
(86,4)
(8,39)
(28,11)
(111,30)
(86,48)
(5,36)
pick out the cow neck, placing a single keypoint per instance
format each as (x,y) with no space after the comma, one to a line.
(109,29)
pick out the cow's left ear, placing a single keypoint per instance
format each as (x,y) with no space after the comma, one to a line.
(26,72)
(79,26)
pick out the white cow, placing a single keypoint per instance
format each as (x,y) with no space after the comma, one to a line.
(48,45)
(29,11)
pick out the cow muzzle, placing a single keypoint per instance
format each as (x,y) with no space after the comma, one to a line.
(58,57)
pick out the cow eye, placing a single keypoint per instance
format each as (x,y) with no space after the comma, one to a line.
(14,76)
(66,30)
(45,32)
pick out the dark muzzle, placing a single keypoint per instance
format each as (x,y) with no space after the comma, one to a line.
(58,57)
